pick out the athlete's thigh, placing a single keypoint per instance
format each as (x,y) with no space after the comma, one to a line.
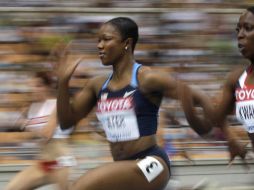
(60,177)
(27,179)
(123,175)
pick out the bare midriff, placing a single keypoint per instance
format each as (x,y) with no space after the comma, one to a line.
(126,149)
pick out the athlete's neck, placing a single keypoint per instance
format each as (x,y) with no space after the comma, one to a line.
(122,69)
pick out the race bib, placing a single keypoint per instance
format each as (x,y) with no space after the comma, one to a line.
(118,119)
(245,114)
(150,167)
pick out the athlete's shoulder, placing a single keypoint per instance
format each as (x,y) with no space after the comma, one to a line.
(153,74)
(96,82)
(146,71)
(235,74)
(154,80)
(98,79)
(146,75)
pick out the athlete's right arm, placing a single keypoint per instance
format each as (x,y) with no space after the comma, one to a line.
(192,100)
(225,107)
(71,110)
(226,102)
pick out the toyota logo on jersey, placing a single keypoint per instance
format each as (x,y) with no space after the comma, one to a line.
(244,94)
(114,104)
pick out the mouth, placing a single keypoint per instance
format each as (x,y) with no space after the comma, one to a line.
(101,55)
(241,47)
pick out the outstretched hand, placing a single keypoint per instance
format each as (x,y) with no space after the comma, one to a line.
(237,149)
(66,62)
(66,70)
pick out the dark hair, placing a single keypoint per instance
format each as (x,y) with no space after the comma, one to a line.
(127,28)
(251,9)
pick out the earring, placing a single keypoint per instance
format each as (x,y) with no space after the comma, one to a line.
(126,47)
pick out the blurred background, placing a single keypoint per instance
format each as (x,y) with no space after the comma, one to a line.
(193,40)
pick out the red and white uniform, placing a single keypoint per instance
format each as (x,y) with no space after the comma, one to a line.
(38,116)
(244,95)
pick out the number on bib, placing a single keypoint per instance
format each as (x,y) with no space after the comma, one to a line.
(150,167)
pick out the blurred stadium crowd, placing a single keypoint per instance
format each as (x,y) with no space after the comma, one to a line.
(194,40)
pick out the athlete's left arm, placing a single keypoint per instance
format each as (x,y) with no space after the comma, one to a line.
(152,81)
(190,98)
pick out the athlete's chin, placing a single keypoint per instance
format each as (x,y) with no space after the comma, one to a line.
(106,63)
(246,55)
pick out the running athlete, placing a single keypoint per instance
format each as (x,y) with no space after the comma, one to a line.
(238,90)
(55,160)
(127,104)
(244,80)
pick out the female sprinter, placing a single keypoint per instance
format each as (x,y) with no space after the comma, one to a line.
(127,104)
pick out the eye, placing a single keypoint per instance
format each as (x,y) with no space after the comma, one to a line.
(104,38)
(248,27)
(107,38)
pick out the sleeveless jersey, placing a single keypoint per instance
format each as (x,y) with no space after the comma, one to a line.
(244,95)
(38,116)
(126,114)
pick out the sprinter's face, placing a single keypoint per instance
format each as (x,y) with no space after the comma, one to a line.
(245,35)
(110,44)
